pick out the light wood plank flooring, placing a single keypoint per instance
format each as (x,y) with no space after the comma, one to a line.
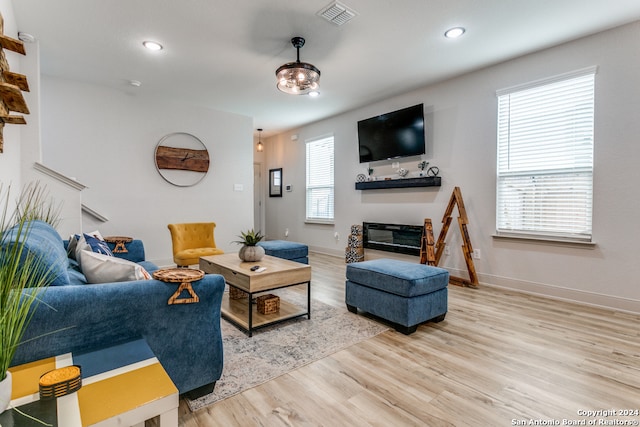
(498,359)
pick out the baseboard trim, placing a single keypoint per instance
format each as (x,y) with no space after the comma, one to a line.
(325,251)
(555,292)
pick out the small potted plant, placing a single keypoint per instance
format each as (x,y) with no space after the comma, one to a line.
(250,250)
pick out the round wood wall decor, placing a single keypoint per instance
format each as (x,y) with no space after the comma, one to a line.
(181,159)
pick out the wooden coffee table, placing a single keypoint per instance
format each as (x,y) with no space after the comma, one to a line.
(279,273)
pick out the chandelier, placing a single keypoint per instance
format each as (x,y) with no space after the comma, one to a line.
(298,78)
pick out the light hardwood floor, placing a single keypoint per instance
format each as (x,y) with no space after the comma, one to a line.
(498,359)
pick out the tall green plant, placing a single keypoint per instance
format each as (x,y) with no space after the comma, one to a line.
(22,275)
(34,204)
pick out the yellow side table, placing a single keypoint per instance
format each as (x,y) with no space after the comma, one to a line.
(123,385)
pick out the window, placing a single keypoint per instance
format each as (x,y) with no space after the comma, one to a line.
(545,158)
(320,180)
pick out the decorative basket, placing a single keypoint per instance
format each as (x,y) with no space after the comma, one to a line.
(268,304)
(60,382)
(235,293)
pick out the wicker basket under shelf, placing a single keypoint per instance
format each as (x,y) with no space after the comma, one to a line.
(268,304)
(235,293)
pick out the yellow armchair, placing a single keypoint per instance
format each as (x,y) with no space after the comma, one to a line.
(191,241)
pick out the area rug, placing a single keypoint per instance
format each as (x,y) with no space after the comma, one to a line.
(281,348)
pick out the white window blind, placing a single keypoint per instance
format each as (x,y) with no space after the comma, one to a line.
(545,158)
(320,180)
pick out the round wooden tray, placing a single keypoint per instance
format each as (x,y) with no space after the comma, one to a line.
(116,239)
(119,242)
(178,275)
(184,276)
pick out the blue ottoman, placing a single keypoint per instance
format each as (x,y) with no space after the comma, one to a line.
(287,250)
(401,292)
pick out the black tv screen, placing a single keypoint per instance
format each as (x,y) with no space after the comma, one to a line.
(396,134)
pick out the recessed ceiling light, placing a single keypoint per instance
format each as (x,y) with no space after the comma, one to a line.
(314,93)
(152,45)
(454,33)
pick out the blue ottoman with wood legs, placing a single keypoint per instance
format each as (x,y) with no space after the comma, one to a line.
(401,292)
(285,249)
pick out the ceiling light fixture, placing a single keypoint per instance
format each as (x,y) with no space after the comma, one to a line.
(259,146)
(454,33)
(152,45)
(26,37)
(298,78)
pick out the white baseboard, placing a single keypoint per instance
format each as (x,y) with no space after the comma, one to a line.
(555,292)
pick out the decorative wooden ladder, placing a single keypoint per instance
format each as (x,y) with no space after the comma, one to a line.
(427,252)
(431,256)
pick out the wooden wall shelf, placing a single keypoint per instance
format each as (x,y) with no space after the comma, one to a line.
(11,85)
(12,97)
(12,120)
(12,44)
(423,181)
(16,79)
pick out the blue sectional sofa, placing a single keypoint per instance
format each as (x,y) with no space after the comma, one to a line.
(77,316)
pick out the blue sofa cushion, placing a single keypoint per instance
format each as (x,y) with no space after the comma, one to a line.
(398,277)
(135,251)
(43,242)
(285,249)
(149,266)
(75,276)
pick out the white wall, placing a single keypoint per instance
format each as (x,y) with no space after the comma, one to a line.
(106,140)
(22,142)
(461,120)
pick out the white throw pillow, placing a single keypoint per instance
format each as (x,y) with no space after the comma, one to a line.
(80,244)
(99,268)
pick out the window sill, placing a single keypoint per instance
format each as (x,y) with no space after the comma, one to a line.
(547,240)
(319,221)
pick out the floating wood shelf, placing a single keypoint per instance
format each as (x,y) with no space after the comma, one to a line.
(423,181)
(16,79)
(12,44)
(11,85)
(13,120)
(12,97)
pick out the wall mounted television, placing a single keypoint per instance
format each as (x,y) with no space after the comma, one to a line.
(392,135)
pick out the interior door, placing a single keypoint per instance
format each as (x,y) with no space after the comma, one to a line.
(258,198)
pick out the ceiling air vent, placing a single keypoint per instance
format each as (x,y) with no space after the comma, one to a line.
(337,13)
